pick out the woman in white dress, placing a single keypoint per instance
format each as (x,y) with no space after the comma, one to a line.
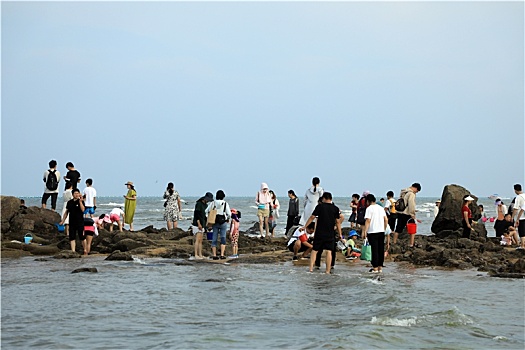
(311,198)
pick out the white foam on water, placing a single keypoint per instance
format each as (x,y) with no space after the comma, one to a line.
(138,260)
(387,321)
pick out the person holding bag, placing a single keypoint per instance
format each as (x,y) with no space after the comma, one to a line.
(220,224)
(374,230)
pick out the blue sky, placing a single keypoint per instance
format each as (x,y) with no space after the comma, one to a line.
(226,95)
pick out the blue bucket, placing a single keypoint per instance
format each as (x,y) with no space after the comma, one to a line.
(60,227)
(28,238)
(209,235)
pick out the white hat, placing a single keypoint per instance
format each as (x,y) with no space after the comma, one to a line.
(468,198)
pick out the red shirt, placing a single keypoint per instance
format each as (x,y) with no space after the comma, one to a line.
(464,209)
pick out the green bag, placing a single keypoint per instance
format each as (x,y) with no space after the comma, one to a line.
(366,251)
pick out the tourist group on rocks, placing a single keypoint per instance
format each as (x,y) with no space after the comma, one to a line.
(318,229)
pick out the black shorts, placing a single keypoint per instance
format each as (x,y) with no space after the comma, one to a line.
(521,228)
(74,231)
(324,243)
(302,249)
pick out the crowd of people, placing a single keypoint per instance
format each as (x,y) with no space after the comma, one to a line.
(316,230)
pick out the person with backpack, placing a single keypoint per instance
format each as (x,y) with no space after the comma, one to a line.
(406,209)
(51,179)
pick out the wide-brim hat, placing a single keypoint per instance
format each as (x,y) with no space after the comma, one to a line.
(352,233)
(468,198)
(438,201)
(208,197)
(128,183)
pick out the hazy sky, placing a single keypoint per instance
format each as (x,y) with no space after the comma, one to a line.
(225,95)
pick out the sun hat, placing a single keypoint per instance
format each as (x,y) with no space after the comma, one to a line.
(468,198)
(128,183)
(438,201)
(208,197)
(352,233)
(366,193)
(233,211)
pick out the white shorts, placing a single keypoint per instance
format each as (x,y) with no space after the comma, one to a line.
(195,230)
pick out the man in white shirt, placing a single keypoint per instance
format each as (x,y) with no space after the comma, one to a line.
(299,241)
(519,215)
(90,199)
(375,226)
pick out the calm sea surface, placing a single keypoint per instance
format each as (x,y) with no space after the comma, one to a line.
(160,304)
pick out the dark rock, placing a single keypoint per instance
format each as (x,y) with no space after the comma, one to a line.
(10,207)
(128,244)
(491,247)
(449,215)
(518,266)
(118,255)
(85,269)
(67,254)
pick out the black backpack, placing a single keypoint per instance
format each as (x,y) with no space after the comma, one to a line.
(400,204)
(52,181)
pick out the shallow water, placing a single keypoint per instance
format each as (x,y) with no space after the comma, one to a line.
(158,304)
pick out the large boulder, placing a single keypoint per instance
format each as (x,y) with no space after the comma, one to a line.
(449,215)
(10,207)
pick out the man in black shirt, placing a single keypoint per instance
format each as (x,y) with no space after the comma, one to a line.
(75,209)
(72,175)
(328,216)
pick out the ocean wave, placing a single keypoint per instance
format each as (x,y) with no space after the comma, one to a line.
(452,317)
(111,204)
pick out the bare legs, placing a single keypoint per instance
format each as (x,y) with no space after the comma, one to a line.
(261,218)
(328,260)
(198,245)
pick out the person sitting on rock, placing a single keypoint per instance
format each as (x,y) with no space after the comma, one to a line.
(300,241)
(352,252)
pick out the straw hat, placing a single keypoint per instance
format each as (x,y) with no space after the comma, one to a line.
(128,183)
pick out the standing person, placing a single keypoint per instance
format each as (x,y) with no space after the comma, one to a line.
(274,213)
(328,216)
(72,175)
(221,223)
(75,209)
(390,210)
(67,195)
(353,205)
(311,198)
(374,230)
(466,217)
(90,197)
(234,233)
(263,199)
(409,198)
(518,213)
(198,224)
(361,209)
(51,179)
(130,204)
(171,206)
(293,210)
(436,208)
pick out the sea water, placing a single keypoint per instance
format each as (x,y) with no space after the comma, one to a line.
(150,211)
(163,304)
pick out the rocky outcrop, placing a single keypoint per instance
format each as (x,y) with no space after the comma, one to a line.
(449,215)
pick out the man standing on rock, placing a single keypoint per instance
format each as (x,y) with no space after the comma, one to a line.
(51,180)
(519,214)
(409,197)
(72,175)
(75,208)
(328,216)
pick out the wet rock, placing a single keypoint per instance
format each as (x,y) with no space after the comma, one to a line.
(10,207)
(449,215)
(128,244)
(85,269)
(118,255)
(67,254)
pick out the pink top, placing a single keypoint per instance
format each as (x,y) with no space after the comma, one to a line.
(263,198)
